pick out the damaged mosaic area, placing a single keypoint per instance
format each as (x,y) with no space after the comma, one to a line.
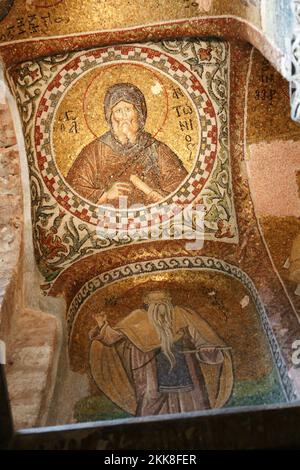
(182,87)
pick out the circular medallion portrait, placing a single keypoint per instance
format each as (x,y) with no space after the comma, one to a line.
(125,123)
(124,139)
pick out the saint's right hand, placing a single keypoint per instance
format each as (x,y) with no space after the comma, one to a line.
(100,319)
(117,190)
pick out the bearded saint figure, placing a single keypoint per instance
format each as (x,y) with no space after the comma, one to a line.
(161,359)
(126,161)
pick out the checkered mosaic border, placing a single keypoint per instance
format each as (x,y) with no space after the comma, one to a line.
(162,62)
(198,263)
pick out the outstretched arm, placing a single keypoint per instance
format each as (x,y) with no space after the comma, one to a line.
(104,332)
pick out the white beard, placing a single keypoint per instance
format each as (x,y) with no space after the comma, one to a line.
(160,314)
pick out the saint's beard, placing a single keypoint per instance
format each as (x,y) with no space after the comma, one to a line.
(125,131)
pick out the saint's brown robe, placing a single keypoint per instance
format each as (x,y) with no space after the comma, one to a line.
(106,161)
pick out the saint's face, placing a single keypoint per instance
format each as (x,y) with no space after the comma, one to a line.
(124,118)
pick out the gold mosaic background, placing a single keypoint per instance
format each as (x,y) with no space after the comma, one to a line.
(268,107)
(84,102)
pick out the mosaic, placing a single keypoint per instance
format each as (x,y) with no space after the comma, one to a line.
(116,330)
(5,6)
(176,97)
(46,18)
(269,125)
(152,326)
